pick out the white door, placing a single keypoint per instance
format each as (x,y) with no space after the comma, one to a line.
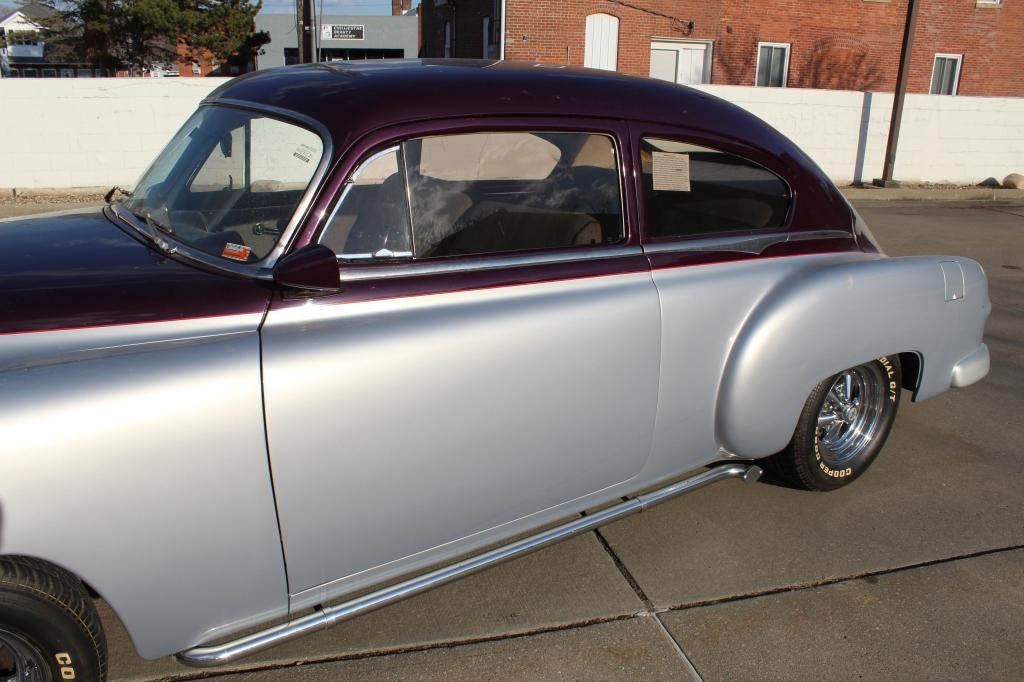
(680,62)
(601,48)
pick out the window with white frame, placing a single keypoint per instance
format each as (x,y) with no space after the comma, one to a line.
(684,62)
(946,74)
(772,65)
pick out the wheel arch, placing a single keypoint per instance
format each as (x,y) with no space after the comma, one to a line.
(820,321)
(93,593)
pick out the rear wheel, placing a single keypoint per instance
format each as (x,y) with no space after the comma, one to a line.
(843,426)
(49,628)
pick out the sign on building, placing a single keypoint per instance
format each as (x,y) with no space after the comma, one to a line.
(341,32)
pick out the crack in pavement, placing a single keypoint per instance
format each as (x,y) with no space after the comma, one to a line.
(798,587)
(649,611)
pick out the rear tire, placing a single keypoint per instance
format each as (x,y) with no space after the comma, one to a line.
(843,426)
(49,627)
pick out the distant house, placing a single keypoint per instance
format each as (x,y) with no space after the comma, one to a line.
(23,51)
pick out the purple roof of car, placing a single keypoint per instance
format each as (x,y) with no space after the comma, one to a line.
(352,99)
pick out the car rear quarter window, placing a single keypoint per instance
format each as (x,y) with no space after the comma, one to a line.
(691,190)
(481,193)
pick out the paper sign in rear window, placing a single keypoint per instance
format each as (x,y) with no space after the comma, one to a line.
(671,172)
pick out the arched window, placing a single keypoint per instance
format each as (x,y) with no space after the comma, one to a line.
(601,49)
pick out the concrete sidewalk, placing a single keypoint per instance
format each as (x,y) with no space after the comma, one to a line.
(915,571)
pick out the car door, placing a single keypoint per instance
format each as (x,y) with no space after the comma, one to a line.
(490,363)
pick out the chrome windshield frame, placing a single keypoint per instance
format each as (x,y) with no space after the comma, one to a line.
(263,268)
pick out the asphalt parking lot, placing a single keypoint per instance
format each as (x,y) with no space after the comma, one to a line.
(914,572)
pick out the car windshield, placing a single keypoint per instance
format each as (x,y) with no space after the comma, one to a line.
(229,182)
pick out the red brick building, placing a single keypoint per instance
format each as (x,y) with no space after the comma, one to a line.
(967,47)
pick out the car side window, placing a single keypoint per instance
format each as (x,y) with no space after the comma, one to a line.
(481,193)
(691,190)
(372,217)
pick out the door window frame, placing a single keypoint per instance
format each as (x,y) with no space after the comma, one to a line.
(380,140)
(718,143)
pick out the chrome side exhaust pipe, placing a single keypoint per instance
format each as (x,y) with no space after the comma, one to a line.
(323,618)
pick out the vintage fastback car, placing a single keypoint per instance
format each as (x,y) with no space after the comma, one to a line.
(365,329)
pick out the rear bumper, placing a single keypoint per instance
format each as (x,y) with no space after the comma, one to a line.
(971,368)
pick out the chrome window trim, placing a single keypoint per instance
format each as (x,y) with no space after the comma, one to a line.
(262,269)
(439,266)
(349,183)
(754,244)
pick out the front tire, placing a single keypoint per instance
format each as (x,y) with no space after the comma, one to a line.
(49,627)
(843,426)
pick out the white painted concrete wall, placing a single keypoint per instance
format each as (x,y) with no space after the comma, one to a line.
(65,133)
(89,132)
(942,139)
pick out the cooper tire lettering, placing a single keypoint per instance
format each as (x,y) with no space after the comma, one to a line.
(67,670)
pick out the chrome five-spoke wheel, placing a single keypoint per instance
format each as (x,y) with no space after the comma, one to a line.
(843,426)
(850,417)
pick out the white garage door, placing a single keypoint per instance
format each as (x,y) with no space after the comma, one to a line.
(601,49)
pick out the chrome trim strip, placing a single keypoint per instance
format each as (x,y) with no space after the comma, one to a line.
(326,159)
(349,183)
(752,244)
(441,267)
(323,618)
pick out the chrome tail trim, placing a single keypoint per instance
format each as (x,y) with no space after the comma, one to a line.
(323,618)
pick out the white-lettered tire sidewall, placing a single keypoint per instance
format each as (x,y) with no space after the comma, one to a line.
(832,477)
(66,650)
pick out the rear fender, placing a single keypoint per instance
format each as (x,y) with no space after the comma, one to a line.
(833,316)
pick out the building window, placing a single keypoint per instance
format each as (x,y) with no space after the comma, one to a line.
(601,47)
(772,65)
(49,73)
(681,61)
(946,74)
(29,73)
(447,40)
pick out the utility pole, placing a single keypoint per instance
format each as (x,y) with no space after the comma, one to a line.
(897,103)
(305,28)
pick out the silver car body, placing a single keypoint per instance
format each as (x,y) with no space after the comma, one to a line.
(206,475)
